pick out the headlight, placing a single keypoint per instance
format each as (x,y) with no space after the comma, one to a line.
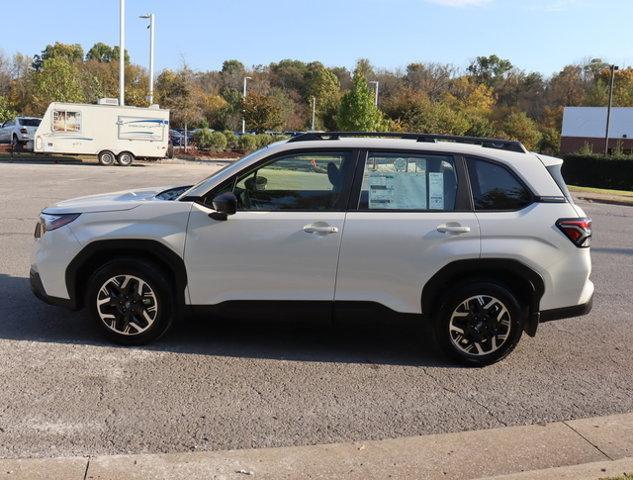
(50,222)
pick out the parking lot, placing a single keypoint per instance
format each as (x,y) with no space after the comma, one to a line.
(216,385)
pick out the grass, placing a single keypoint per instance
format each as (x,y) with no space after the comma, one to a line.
(604,191)
(626,476)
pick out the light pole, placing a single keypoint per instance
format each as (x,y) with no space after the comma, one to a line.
(243,111)
(151,18)
(613,69)
(313,112)
(375,83)
(121,52)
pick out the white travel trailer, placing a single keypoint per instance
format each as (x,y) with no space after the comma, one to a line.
(113,133)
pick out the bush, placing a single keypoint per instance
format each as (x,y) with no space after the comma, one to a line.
(247,142)
(614,173)
(209,140)
(231,139)
(264,139)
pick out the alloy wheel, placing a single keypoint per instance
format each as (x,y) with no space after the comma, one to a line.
(127,305)
(480,325)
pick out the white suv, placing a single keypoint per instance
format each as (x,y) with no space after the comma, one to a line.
(477,236)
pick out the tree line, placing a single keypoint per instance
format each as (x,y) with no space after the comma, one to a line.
(490,97)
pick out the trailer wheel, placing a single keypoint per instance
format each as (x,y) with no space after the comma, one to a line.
(125,159)
(106,158)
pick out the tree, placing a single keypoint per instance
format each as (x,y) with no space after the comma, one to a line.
(262,112)
(518,126)
(324,86)
(100,52)
(57,81)
(489,70)
(357,111)
(176,91)
(69,52)
(6,110)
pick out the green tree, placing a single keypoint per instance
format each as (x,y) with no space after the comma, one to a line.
(518,126)
(57,81)
(262,112)
(489,70)
(357,111)
(324,86)
(69,52)
(101,52)
(177,91)
(6,109)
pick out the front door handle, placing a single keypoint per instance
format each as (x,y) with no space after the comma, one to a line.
(455,229)
(320,228)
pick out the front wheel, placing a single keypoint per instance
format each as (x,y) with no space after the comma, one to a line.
(131,301)
(479,323)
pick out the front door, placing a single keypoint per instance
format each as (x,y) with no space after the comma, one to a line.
(284,240)
(413,216)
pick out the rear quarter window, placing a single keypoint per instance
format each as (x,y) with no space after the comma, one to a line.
(496,188)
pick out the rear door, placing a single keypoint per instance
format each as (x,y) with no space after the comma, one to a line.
(411,215)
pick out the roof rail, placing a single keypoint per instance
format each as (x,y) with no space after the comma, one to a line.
(510,145)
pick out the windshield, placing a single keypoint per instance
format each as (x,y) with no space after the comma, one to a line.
(225,167)
(30,122)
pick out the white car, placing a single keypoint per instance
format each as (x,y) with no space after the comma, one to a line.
(19,131)
(476,236)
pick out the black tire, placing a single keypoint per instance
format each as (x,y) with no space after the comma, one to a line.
(481,331)
(129,306)
(125,159)
(106,158)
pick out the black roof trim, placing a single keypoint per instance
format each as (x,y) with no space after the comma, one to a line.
(499,144)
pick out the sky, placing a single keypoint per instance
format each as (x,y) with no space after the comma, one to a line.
(536,35)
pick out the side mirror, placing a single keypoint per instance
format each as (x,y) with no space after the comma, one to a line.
(224,205)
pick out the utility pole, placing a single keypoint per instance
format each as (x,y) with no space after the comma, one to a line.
(151,18)
(244,97)
(121,52)
(313,112)
(375,83)
(613,69)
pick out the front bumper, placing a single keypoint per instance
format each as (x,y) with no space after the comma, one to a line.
(39,292)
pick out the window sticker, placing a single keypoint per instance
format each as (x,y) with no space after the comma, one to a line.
(436,191)
(397,190)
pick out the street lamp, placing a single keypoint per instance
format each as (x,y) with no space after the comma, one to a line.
(121,52)
(150,17)
(613,69)
(313,112)
(243,112)
(375,83)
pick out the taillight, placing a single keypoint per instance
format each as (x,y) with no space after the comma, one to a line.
(578,230)
(24,130)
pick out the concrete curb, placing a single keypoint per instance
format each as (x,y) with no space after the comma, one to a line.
(542,450)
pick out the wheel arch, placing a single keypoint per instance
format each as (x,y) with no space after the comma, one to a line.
(95,254)
(524,282)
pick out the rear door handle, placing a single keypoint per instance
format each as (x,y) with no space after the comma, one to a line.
(320,229)
(456,229)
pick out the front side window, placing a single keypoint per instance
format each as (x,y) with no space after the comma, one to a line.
(495,187)
(301,181)
(65,121)
(403,181)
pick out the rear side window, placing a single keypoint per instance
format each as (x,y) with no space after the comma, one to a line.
(403,181)
(557,175)
(495,187)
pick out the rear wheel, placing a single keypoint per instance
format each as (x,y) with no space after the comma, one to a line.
(125,159)
(130,301)
(106,158)
(15,144)
(479,323)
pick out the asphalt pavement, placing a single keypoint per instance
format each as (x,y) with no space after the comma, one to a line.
(210,385)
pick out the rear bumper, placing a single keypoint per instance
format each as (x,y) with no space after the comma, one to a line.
(39,292)
(566,312)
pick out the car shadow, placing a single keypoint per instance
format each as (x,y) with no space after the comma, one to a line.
(25,318)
